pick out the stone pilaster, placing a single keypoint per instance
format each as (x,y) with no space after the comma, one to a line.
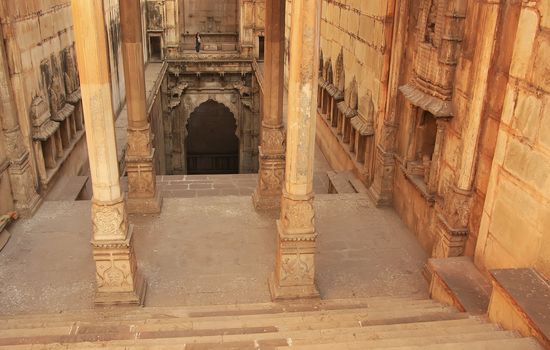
(294,275)
(143,197)
(118,280)
(26,199)
(272,146)
(452,223)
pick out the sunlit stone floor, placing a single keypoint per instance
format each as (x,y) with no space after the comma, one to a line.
(208,250)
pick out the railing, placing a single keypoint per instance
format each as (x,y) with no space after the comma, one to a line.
(212,164)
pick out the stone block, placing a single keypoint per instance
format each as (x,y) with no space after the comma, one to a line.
(527,115)
(541,70)
(525,38)
(528,164)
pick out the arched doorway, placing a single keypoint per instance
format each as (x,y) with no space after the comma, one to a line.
(212,145)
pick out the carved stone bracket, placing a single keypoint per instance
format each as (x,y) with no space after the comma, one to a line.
(294,275)
(117,277)
(109,219)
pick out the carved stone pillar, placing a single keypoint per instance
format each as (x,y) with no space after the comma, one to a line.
(381,189)
(272,145)
(294,275)
(118,281)
(143,197)
(26,200)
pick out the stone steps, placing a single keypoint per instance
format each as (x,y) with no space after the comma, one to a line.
(307,325)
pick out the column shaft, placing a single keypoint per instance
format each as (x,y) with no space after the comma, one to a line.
(22,182)
(143,196)
(272,146)
(294,275)
(116,270)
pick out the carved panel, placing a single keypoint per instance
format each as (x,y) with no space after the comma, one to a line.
(155,16)
(297,269)
(109,220)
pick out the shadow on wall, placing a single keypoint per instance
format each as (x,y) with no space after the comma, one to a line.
(212,144)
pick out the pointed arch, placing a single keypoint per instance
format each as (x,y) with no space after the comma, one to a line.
(352,95)
(328,71)
(340,72)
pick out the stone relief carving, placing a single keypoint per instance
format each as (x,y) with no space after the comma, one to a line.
(139,142)
(43,126)
(243,89)
(298,215)
(429,31)
(72,81)
(109,221)
(273,139)
(297,269)
(155,18)
(340,72)
(53,83)
(327,71)
(272,179)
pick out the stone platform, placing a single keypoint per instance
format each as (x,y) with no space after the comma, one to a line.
(208,250)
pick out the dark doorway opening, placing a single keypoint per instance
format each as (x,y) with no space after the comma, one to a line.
(212,145)
(261,48)
(155,48)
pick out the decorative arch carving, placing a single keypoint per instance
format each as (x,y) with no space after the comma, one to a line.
(353,95)
(340,72)
(328,71)
(193,104)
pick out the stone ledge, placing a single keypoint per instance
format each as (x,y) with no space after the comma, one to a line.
(456,281)
(521,301)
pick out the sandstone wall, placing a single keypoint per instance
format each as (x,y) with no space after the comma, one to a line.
(212,16)
(39,42)
(515,223)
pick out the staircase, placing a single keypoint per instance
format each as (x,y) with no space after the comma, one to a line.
(374,323)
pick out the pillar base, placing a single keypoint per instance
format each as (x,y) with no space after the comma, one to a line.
(30,208)
(149,206)
(291,292)
(136,297)
(118,280)
(266,202)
